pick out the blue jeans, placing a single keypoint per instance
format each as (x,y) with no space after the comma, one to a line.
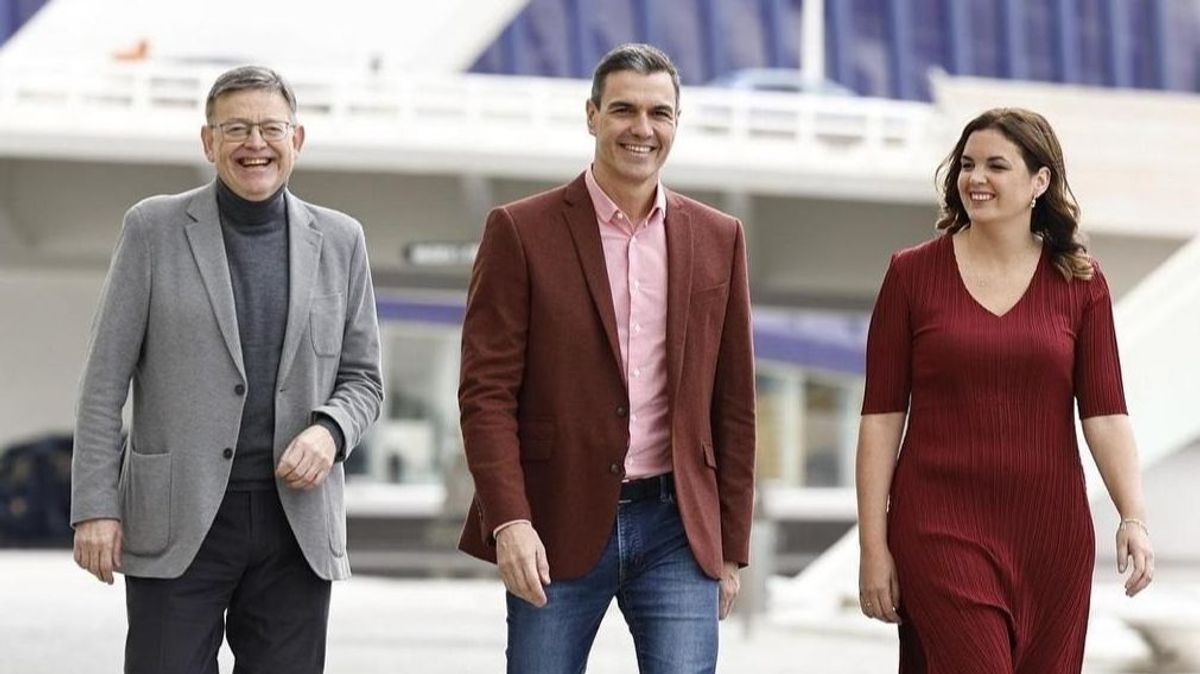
(668,602)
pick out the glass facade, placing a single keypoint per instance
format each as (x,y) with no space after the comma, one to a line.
(809,391)
(875,47)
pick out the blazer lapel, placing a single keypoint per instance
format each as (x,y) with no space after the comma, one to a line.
(581,221)
(208,248)
(679,288)
(304,251)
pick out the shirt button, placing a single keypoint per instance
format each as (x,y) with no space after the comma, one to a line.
(637,372)
(622,410)
(633,239)
(633,417)
(637,327)
(239,389)
(228,453)
(637,285)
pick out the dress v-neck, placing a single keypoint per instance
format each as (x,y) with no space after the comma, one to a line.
(962,282)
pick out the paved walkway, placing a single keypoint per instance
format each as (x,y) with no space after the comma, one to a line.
(54,618)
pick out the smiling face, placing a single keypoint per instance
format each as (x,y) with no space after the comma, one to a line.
(253,168)
(634,126)
(994,183)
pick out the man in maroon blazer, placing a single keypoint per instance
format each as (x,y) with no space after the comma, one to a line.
(607,396)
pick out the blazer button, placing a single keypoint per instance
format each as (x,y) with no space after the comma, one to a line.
(239,389)
(228,453)
(614,468)
(622,410)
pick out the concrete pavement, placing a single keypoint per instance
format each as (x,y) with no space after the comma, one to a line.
(56,619)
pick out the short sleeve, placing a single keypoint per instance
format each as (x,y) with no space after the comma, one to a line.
(889,347)
(1098,385)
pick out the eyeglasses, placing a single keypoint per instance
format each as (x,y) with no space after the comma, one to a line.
(240,131)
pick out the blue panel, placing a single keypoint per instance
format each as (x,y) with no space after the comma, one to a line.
(610,23)
(1040,40)
(1141,52)
(517,47)
(644,26)
(1183,46)
(1092,43)
(875,47)
(745,35)
(23,10)
(900,49)
(959,38)
(548,42)
(577,28)
(1067,42)
(1013,38)
(839,39)
(409,311)
(681,35)
(871,70)
(1156,40)
(819,339)
(1120,72)
(8,19)
(988,42)
(713,33)
(777,22)
(930,42)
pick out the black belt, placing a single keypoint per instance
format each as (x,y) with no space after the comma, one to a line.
(650,487)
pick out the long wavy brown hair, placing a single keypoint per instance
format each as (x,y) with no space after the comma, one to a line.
(1055,217)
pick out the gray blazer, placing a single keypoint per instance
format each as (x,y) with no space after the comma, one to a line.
(167,322)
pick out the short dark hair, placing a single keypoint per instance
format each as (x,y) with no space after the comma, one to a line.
(242,78)
(642,58)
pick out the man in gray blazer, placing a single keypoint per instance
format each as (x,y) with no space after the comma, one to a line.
(245,319)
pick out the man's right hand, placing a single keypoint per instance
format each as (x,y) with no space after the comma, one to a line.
(98,547)
(522,561)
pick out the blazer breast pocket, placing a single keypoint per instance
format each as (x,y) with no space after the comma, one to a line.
(327,319)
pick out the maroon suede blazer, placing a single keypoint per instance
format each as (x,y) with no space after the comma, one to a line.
(545,408)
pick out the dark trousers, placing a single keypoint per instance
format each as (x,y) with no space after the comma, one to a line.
(248,583)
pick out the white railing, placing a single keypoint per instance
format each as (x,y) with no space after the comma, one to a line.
(474,114)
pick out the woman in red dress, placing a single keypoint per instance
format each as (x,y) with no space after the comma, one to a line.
(977,540)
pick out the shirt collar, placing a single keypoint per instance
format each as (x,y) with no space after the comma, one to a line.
(606,208)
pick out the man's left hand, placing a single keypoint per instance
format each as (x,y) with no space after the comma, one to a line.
(730,584)
(308,458)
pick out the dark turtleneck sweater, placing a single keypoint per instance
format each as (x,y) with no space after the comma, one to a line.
(256,244)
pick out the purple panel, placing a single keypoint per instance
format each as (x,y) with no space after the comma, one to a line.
(1091,43)
(929,41)
(1040,37)
(985,20)
(745,35)
(834,342)
(870,48)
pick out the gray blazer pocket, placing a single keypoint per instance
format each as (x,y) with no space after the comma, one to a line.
(328,320)
(146,503)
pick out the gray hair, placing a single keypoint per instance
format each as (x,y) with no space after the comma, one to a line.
(243,78)
(642,58)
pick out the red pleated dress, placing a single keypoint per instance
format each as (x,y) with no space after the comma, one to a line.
(988,518)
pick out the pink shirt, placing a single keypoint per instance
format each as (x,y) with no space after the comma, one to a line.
(635,255)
